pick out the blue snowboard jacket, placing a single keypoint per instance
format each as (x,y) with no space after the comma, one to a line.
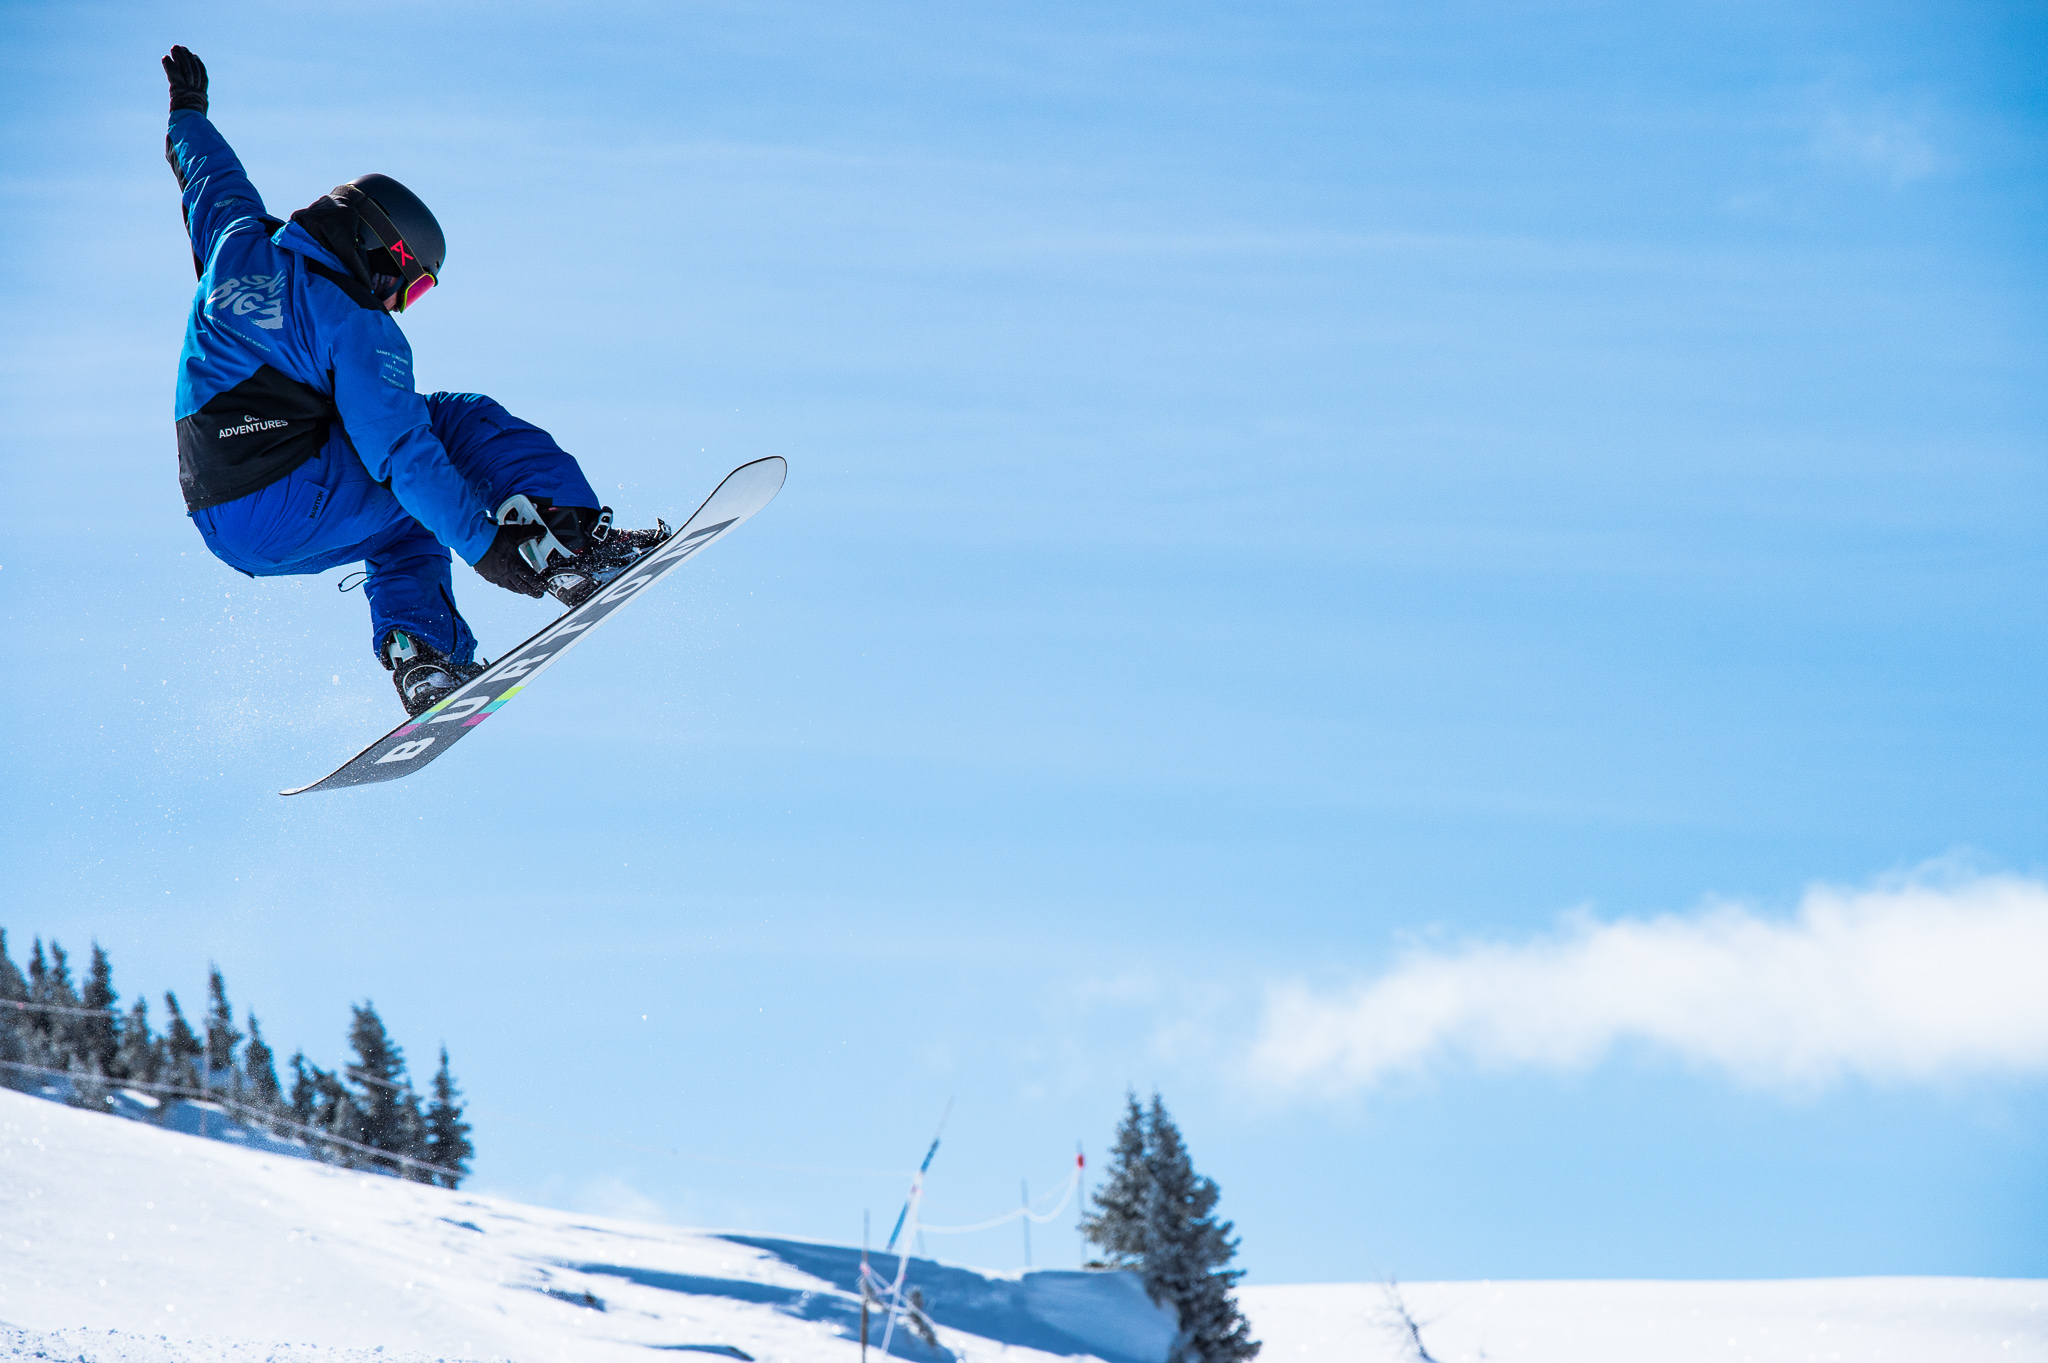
(287,356)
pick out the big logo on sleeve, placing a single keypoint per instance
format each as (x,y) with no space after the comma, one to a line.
(258,297)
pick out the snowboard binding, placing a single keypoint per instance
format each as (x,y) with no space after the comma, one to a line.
(421,672)
(578,551)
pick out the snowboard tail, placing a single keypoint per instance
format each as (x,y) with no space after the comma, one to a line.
(427,735)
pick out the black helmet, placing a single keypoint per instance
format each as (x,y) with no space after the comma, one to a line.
(399,236)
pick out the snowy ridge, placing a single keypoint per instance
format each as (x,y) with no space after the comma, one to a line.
(1811,1320)
(118,1346)
(112,1224)
(124,1243)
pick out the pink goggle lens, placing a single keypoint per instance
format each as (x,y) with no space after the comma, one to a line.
(416,290)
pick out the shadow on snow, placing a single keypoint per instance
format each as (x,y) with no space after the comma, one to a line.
(1106,1315)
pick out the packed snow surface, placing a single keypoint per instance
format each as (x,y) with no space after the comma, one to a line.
(124,1243)
(1853,1320)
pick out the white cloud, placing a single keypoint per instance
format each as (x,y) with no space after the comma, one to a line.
(1901,981)
(1890,148)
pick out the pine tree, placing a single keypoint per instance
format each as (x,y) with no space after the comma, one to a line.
(49,982)
(142,1055)
(1186,1250)
(1117,1224)
(11,981)
(99,1037)
(13,986)
(221,1036)
(410,1139)
(87,1040)
(336,1112)
(319,1103)
(304,1093)
(57,978)
(62,1027)
(182,1048)
(13,1021)
(390,1110)
(260,1064)
(447,1144)
(85,1036)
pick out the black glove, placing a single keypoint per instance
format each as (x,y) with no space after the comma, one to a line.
(188,80)
(501,565)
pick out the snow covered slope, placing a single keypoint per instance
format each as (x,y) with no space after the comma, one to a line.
(1840,1320)
(123,1243)
(116,1225)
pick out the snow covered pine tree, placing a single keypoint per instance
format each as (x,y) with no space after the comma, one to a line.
(260,1065)
(1157,1215)
(13,1021)
(1117,1224)
(142,1054)
(99,1040)
(447,1134)
(182,1048)
(221,1036)
(389,1109)
(1186,1249)
(51,1029)
(49,983)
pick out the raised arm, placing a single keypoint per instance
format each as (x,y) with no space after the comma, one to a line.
(216,190)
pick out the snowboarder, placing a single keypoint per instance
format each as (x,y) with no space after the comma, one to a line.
(301,443)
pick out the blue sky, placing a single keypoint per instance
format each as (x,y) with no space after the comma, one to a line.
(1286,501)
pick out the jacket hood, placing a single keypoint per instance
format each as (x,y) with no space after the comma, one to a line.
(336,227)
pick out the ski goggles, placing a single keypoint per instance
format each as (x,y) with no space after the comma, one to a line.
(415,289)
(414,279)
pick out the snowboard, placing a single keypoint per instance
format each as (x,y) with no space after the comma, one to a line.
(427,735)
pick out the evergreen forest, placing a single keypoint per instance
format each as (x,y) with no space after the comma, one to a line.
(65,1038)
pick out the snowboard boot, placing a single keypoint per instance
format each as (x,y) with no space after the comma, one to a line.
(574,580)
(423,675)
(581,552)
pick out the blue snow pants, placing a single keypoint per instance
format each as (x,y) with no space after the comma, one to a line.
(328,512)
